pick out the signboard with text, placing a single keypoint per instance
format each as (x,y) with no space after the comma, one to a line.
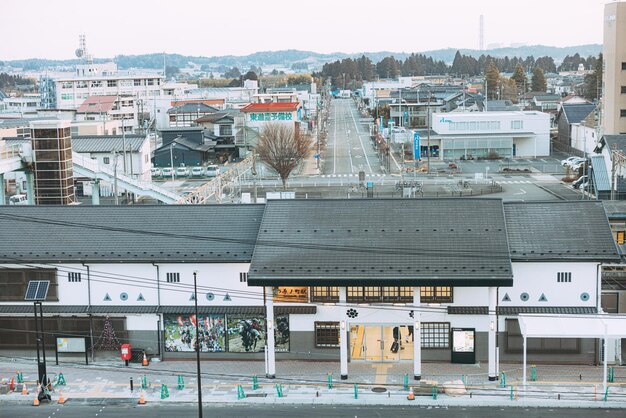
(416,146)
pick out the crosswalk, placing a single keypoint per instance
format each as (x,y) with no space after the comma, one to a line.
(514,182)
(351,175)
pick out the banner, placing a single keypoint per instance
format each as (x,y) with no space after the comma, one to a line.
(417,154)
(180,333)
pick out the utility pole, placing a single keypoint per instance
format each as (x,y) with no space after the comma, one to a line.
(428,132)
(115,179)
(195,302)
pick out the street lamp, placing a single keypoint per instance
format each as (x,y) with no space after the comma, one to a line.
(37,291)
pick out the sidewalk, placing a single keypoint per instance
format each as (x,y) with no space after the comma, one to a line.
(308,383)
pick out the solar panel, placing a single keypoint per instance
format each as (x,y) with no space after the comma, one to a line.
(37,290)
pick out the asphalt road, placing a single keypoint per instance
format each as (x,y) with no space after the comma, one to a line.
(348,149)
(301,411)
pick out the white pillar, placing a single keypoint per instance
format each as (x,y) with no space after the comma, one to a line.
(271,352)
(417,335)
(95,192)
(343,334)
(492,334)
(2,196)
(30,187)
(604,371)
(524,363)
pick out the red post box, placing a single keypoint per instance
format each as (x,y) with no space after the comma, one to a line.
(125,350)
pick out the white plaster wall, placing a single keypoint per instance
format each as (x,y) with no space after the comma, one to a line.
(142,322)
(538,278)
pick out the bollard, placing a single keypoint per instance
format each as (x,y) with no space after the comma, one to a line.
(533,373)
(279,390)
(435,392)
(330,380)
(240,393)
(606,394)
(131,384)
(511,395)
(164,392)
(406,382)
(610,374)
(502,380)
(181,382)
(356,391)
(20,379)
(255,382)
(144,382)
(558,397)
(463,379)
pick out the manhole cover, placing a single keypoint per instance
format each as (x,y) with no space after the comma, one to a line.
(379,390)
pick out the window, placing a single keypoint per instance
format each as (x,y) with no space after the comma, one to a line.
(623,66)
(435,335)
(623,89)
(325,294)
(620,237)
(106,160)
(622,113)
(243,277)
(67,85)
(380,295)
(517,124)
(13,283)
(327,334)
(610,302)
(137,83)
(73,277)
(514,342)
(150,82)
(564,277)
(111,83)
(436,294)
(96,83)
(173,277)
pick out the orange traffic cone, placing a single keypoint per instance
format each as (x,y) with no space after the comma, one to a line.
(145,359)
(12,384)
(36,401)
(61,398)
(411,396)
(142,399)
(24,390)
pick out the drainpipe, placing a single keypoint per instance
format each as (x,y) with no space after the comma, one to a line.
(89,310)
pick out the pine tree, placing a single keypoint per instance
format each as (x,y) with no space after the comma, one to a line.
(520,79)
(539,81)
(492,79)
(108,340)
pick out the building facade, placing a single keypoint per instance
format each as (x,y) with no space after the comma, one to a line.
(614,78)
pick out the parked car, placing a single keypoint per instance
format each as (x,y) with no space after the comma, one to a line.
(577,164)
(576,184)
(212,171)
(569,162)
(18,199)
(197,172)
(167,172)
(182,172)
(155,171)
(398,130)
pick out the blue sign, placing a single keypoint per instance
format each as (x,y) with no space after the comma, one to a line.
(406,118)
(416,146)
(316,156)
(381,124)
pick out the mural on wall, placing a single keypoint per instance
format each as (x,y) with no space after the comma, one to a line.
(246,334)
(180,332)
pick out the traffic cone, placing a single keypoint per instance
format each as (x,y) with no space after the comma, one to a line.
(12,384)
(411,395)
(36,401)
(142,399)
(145,359)
(24,390)
(61,398)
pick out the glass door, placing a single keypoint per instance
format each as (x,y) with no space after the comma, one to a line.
(374,343)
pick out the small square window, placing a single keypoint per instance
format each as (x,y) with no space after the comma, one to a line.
(106,160)
(564,277)
(327,334)
(620,237)
(73,277)
(622,113)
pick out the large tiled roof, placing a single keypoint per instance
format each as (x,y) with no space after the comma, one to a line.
(107,143)
(97,104)
(559,231)
(383,241)
(576,113)
(168,233)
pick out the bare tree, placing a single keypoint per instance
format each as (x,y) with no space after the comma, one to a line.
(282,149)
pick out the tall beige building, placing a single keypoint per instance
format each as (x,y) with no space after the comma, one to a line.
(614,84)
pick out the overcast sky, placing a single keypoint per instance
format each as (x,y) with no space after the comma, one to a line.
(50,28)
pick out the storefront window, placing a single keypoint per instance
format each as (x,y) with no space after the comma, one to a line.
(436,294)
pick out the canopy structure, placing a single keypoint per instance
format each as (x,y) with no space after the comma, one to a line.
(576,326)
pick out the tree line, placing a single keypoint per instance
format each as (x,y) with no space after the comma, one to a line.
(348,71)
(12,81)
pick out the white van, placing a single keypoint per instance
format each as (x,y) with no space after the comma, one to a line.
(18,199)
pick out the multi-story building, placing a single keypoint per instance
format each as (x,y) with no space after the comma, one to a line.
(121,110)
(614,79)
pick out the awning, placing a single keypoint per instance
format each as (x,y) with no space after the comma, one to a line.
(575,326)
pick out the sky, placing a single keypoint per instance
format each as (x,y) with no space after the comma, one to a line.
(50,28)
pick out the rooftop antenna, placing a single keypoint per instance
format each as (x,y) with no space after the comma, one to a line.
(82,52)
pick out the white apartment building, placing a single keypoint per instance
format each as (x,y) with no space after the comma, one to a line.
(491,134)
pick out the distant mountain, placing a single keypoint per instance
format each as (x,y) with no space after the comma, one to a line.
(313,60)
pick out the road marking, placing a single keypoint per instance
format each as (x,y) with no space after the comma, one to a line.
(367,160)
(335,141)
(522,191)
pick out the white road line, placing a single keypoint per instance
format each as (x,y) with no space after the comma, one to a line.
(335,141)
(360,140)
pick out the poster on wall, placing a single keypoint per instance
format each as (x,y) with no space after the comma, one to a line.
(246,334)
(281,334)
(180,332)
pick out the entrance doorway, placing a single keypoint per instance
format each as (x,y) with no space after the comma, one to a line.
(373,343)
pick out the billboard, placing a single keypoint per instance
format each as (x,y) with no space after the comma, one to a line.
(180,332)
